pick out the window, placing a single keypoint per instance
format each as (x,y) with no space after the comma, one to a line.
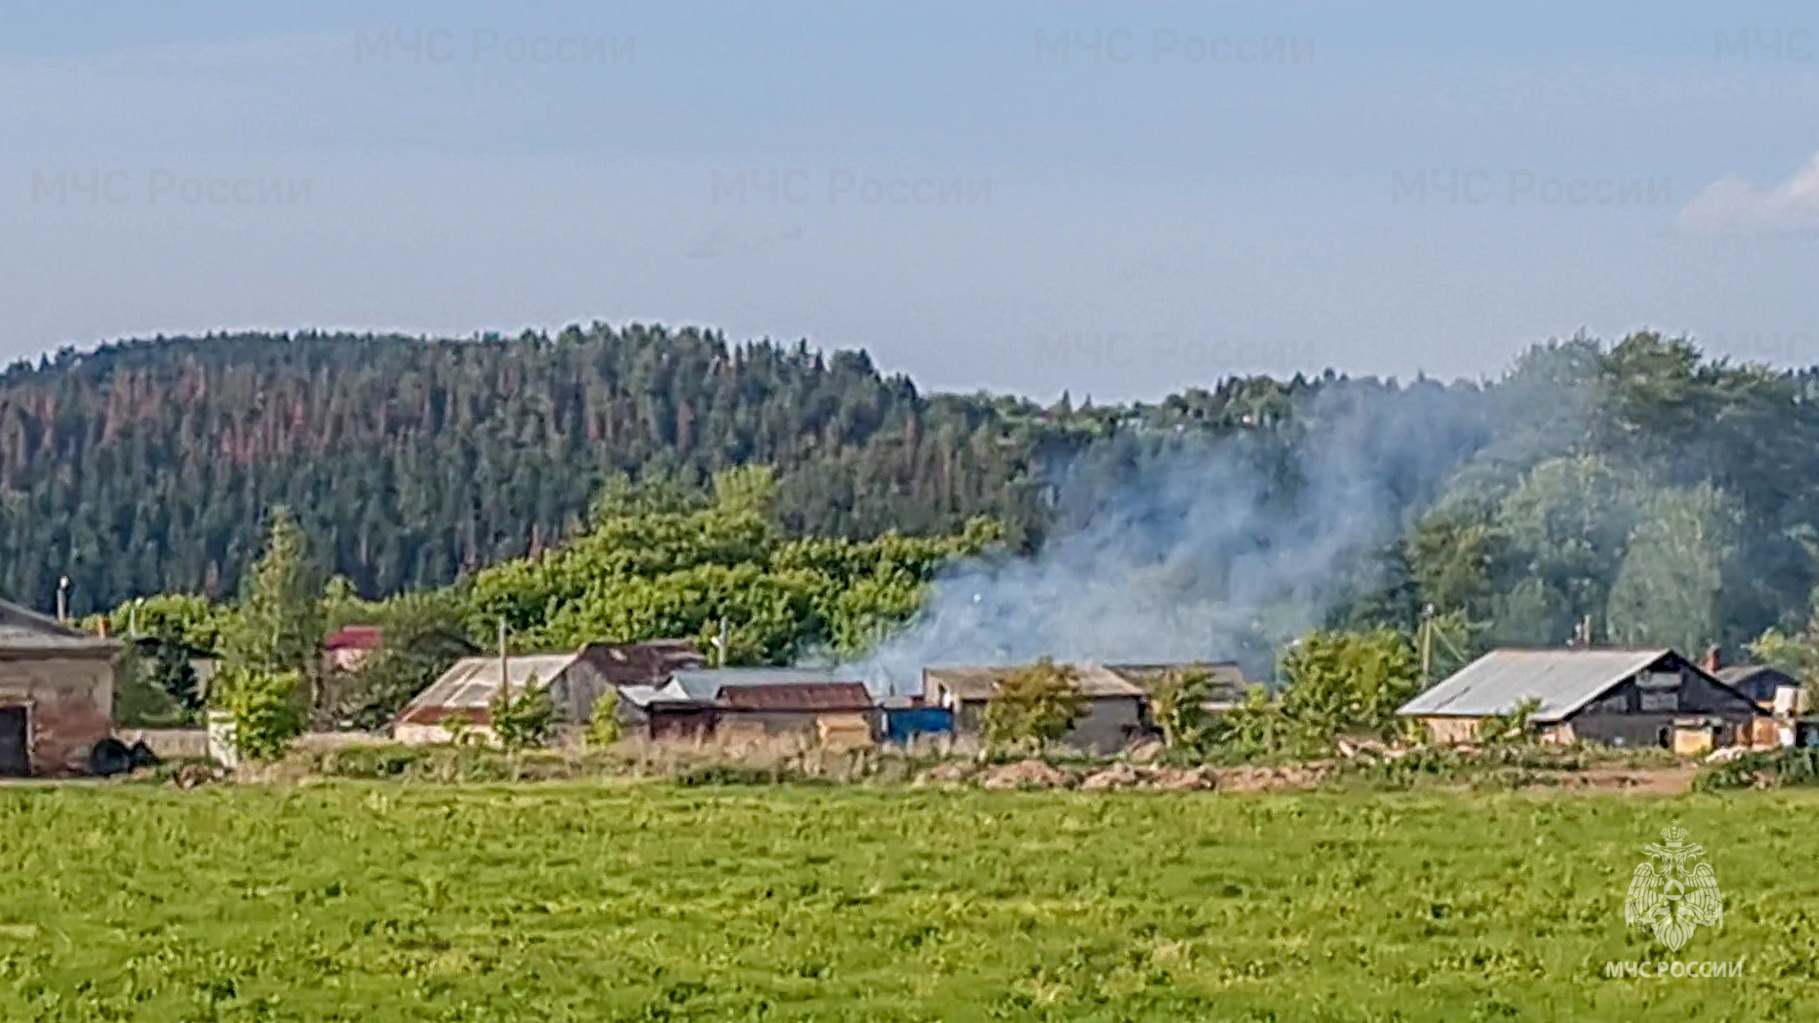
(1660,699)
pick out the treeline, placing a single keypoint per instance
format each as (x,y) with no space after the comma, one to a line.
(655,561)
(1659,495)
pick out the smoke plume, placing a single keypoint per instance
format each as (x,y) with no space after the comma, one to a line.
(1175,547)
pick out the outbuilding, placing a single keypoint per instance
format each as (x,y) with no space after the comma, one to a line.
(56,693)
(1619,697)
(1116,712)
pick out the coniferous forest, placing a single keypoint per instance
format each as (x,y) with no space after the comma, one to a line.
(1666,496)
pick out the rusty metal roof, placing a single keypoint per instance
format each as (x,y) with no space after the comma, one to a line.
(649,663)
(805,697)
(1499,682)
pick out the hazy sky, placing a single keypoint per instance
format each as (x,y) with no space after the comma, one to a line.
(1122,200)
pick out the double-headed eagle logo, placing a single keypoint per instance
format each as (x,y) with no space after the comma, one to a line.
(1675,897)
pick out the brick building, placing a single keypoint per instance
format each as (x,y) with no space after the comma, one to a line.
(56,693)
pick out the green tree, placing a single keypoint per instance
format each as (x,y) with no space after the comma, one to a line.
(1179,703)
(278,625)
(264,706)
(421,636)
(1669,588)
(1343,683)
(523,719)
(603,728)
(1034,705)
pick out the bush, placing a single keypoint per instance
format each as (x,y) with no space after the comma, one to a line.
(264,708)
(524,720)
(1769,769)
(603,721)
(1034,705)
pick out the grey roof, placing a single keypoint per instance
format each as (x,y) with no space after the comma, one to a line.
(25,630)
(644,696)
(1498,682)
(471,682)
(979,682)
(704,684)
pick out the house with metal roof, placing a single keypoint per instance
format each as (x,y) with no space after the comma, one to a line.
(1619,697)
(832,713)
(56,693)
(1116,711)
(575,681)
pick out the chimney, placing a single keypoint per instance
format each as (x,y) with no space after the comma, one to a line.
(1714,659)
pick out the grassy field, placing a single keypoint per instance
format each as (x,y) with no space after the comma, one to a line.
(588,902)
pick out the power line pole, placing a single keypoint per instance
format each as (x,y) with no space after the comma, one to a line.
(1427,645)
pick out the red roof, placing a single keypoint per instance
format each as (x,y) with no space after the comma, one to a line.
(354,637)
(804,697)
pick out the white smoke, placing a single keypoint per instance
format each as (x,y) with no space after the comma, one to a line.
(1186,549)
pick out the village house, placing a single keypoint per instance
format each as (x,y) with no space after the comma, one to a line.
(839,714)
(1116,712)
(56,693)
(348,647)
(1619,697)
(574,682)
(1761,683)
(1226,682)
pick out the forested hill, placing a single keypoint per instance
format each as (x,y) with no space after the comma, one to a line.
(1669,497)
(147,466)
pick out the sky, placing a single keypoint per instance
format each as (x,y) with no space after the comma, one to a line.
(1116,200)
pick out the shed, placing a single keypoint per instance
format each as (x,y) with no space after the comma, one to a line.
(1620,697)
(1759,682)
(56,693)
(665,713)
(1116,711)
(835,713)
(466,690)
(1226,680)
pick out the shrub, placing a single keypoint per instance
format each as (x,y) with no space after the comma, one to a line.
(264,708)
(1034,705)
(523,720)
(603,721)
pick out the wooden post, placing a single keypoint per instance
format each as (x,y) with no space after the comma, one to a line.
(1427,645)
(505,678)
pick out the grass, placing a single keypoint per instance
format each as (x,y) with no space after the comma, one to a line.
(648,901)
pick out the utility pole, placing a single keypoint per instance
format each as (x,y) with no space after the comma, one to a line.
(63,600)
(505,678)
(1427,645)
(720,645)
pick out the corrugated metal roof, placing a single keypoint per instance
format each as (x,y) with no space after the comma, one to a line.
(1498,682)
(471,683)
(649,663)
(1226,677)
(980,682)
(644,696)
(806,697)
(26,631)
(704,684)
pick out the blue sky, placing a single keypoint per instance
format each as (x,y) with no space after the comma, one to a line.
(1213,188)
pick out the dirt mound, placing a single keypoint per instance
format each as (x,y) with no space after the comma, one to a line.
(1118,776)
(948,773)
(1183,779)
(1025,774)
(1263,779)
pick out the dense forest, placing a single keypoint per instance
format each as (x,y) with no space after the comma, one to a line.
(1662,496)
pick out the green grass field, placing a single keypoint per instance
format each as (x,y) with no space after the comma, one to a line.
(590,902)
